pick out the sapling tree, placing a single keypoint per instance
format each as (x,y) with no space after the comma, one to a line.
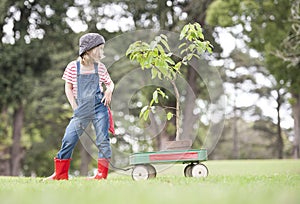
(158,57)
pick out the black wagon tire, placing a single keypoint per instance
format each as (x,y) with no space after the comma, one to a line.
(151,171)
(188,170)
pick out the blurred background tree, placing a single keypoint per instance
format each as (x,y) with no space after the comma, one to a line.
(264,26)
(39,38)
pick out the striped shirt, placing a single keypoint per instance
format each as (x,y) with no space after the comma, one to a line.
(70,75)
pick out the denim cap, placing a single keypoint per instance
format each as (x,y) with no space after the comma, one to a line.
(89,41)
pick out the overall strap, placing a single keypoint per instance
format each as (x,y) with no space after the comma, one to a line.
(78,74)
(96,68)
(78,67)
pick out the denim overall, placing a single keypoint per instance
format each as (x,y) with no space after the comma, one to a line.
(90,109)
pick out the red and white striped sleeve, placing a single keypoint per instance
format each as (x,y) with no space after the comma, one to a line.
(104,75)
(70,73)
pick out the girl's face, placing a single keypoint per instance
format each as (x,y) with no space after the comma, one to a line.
(97,53)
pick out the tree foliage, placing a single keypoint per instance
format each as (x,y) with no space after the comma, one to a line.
(290,47)
(30,28)
(153,56)
(265,25)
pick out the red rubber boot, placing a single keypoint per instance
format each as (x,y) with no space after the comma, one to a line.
(103,165)
(61,169)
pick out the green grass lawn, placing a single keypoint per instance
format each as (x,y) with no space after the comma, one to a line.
(240,182)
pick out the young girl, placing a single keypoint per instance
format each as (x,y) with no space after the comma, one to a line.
(83,88)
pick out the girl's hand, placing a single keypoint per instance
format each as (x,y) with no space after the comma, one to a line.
(107,97)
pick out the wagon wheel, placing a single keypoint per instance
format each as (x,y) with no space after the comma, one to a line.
(188,170)
(140,172)
(199,170)
(151,171)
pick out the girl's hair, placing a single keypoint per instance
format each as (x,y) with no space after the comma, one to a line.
(90,56)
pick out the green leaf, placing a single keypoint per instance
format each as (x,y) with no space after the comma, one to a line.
(159,75)
(169,115)
(152,45)
(163,67)
(183,32)
(191,47)
(151,103)
(155,96)
(160,49)
(169,54)
(177,66)
(198,27)
(165,43)
(155,52)
(164,37)
(197,56)
(146,114)
(157,38)
(201,36)
(154,73)
(199,31)
(189,56)
(209,49)
(128,51)
(173,74)
(170,61)
(181,45)
(143,110)
(161,92)
(182,51)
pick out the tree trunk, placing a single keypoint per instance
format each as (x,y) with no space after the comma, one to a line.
(177,95)
(162,14)
(4,162)
(235,138)
(85,160)
(279,135)
(155,131)
(189,118)
(4,145)
(86,150)
(235,130)
(296,114)
(16,149)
